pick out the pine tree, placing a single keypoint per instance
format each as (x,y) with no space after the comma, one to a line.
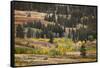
(29,33)
(19,31)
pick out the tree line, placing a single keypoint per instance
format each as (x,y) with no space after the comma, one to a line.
(63,16)
(44,30)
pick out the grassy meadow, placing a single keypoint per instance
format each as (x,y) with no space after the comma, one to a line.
(40,51)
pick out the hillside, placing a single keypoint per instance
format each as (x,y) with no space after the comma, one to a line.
(22,16)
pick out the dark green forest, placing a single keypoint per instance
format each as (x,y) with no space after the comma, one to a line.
(82,18)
